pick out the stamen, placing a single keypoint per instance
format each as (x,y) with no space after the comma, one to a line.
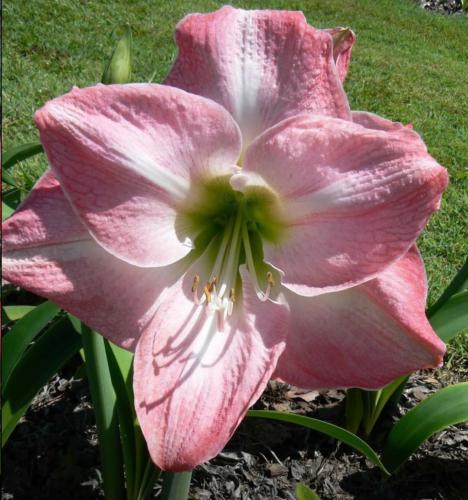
(270,284)
(196,282)
(207,293)
(263,296)
(232,299)
(212,285)
(270,279)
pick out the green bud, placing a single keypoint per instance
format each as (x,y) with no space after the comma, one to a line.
(119,67)
(339,39)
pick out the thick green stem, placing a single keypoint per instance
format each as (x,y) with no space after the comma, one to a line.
(176,485)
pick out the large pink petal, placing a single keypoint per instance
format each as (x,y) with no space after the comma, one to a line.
(261,65)
(126,156)
(343,41)
(356,198)
(48,251)
(365,336)
(194,383)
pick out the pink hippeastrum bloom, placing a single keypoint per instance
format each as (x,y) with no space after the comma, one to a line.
(256,229)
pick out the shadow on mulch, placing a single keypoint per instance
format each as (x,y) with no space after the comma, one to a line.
(53,453)
(420,479)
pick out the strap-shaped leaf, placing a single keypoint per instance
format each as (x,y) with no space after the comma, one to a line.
(458,284)
(446,407)
(452,317)
(6,211)
(11,198)
(7,178)
(354,410)
(331,430)
(14,313)
(22,333)
(105,409)
(18,153)
(51,351)
(120,362)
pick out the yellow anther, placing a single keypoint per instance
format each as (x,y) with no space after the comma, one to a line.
(207,292)
(196,282)
(212,284)
(232,295)
(270,279)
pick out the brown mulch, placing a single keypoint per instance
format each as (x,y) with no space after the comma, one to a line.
(54,452)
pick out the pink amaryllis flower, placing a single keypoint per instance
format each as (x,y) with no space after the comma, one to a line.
(269,233)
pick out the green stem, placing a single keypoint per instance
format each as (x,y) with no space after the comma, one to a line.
(176,485)
(104,402)
(151,475)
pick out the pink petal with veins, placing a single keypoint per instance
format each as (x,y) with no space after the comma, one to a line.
(194,383)
(48,251)
(355,198)
(365,336)
(125,156)
(261,65)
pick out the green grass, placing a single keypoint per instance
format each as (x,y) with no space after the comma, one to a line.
(408,65)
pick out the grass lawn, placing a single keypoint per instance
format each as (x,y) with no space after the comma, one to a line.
(408,65)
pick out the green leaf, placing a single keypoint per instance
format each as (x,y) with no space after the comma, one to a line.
(446,407)
(10,199)
(119,67)
(331,430)
(14,313)
(303,492)
(176,485)
(22,333)
(452,317)
(18,153)
(354,409)
(458,284)
(120,363)
(7,178)
(384,395)
(104,403)
(58,344)
(6,211)
(141,473)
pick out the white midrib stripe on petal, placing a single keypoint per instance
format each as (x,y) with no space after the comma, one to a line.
(246,73)
(147,166)
(133,150)
(361,188)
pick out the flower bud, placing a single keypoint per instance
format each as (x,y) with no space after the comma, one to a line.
(119,67)
(342,37)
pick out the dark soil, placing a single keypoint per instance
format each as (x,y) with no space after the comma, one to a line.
(53,452)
